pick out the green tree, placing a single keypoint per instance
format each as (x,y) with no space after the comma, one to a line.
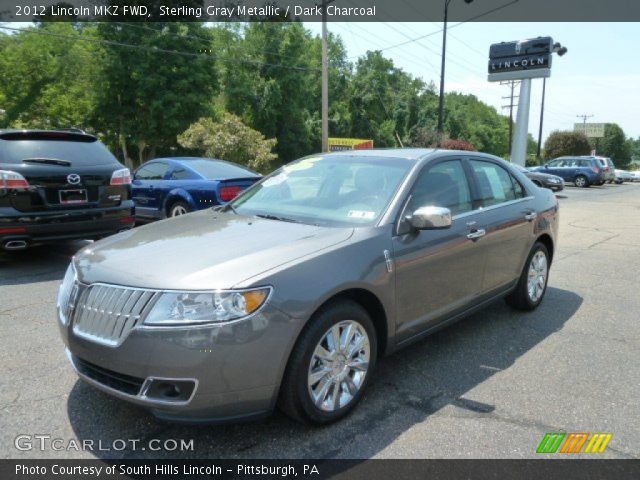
(271,79)
(229,139)
(155,81)
(614,145)
(48,76)
(385,102)
(561,143)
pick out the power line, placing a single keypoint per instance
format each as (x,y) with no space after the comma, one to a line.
(488,12)
(194,37)
(584,118)
(159,50)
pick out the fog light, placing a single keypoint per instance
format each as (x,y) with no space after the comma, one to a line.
(168,390)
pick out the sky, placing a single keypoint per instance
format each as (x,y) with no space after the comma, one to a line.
(599,76)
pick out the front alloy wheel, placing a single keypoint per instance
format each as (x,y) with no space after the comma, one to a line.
(330,365)
(339,365)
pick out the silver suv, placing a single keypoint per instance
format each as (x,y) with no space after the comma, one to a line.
(608,167)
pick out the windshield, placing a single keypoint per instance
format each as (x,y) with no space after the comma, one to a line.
(77,152)
(334,190)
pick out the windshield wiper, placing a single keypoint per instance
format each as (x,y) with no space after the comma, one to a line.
(276,217)
(48,161)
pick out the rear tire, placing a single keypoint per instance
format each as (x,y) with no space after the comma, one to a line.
(581,181)
(304,395)
(178,208)
(532,285)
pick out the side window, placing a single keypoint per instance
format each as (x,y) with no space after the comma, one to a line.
(181,174)
(494,183)
(555,163)
(518,188)
(443,185)
(152,171)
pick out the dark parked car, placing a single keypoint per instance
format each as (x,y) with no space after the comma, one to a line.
(552,182)
(168,187)
(581,171)
(58,185)
(290,293)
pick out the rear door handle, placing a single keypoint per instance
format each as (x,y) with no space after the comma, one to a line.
(481,232)
(531,216)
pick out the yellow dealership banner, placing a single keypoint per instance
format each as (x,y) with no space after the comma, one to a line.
(340,144)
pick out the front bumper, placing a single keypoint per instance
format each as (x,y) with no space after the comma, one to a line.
(235,369)
(555,187)
(68,225)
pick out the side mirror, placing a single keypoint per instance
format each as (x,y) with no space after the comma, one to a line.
(430,218)
(546,165)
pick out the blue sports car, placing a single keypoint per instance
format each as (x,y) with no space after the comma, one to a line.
(168,187)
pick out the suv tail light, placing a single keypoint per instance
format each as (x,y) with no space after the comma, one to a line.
(229,193)
(9,179)
(595,169)
(121,177)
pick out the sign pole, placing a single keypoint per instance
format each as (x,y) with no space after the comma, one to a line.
(521,135)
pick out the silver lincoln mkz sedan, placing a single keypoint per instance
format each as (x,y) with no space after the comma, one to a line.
(289,294)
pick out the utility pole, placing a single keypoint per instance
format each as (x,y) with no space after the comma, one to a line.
(544,90)
(325,78)
(519,150)
(584,118)
(511,97)
(442,72)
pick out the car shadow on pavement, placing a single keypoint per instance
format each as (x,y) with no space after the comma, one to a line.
(406,389)
(41,263)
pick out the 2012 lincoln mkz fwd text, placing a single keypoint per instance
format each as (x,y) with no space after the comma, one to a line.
(288,295)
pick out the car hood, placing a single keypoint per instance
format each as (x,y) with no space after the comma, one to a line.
(202,250)
(541,175)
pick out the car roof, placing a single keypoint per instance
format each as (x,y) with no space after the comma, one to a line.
(187,159)
(40,134)
(404,153)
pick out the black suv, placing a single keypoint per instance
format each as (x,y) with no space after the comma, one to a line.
(58,185)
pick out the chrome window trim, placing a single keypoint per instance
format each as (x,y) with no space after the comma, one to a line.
(493,207)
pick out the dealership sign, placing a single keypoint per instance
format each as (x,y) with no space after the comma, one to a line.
(340,144)
(519,60)
(591,130)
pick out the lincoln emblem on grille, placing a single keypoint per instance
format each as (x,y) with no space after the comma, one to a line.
(73,178)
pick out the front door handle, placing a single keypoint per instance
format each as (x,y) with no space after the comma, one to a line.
(477,234)
(531,216)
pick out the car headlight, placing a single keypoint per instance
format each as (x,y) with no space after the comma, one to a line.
(66,292)
(196,308)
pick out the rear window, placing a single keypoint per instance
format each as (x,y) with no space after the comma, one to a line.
(219,170)
(77,152)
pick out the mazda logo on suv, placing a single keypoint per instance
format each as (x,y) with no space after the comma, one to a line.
(73,178)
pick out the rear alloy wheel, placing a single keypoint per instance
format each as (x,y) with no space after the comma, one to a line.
(533,281)
(581,181)
(179,208)
(330,365)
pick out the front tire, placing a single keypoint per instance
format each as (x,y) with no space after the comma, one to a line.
(331,364)
(532,285)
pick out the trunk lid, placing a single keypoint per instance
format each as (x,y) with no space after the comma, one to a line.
(65,171)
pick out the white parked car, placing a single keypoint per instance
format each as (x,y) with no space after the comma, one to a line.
(636,175)
(624,176)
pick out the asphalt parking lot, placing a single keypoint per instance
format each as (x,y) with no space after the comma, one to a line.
(490,386)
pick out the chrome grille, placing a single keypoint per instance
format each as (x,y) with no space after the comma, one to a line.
(106,314)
